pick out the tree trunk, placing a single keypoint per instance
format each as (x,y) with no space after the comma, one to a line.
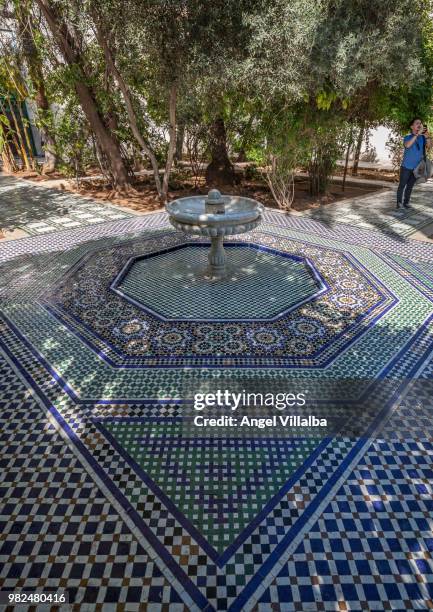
(246,135)
(220,171)
(132,117)
(27,141)
(358,150)
(172,141)
(180,137)
(19,136)
(34,64)
(346,163)
(9,163)
(9,137)
(69,48)
(319,171)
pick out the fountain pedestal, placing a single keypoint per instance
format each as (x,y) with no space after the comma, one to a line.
(215,216)
(217,257)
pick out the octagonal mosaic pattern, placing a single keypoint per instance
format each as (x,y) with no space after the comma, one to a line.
(261,284)
(220,516)
(335,299)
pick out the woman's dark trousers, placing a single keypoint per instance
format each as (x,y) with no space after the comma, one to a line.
(407,181)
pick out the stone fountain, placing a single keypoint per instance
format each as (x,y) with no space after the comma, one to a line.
(215,216)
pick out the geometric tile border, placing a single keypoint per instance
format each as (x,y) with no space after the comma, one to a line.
(260,570)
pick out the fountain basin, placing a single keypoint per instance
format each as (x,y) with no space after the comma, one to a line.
(215,216)
(192,215)
(220,230)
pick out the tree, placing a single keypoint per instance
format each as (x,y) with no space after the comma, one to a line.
(220,171)
(27,35)
(174,42)
(70,45)
(144,25)
(357,153)
(130,73)
(336,57)
(221,33)
(14,126)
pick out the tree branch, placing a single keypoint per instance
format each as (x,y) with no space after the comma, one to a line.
(146,148)
(172,140)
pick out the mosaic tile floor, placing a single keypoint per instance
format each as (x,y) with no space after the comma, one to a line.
(377,212)
(95,406)
(172,284)
(51,210)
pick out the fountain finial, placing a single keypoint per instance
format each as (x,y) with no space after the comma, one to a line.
(214,202)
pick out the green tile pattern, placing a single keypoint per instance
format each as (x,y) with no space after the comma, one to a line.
(260,284)
(176,516)
(220,485)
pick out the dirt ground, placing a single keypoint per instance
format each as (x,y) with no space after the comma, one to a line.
(372,175)
(143,196)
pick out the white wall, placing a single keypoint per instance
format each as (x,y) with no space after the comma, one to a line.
(378,138)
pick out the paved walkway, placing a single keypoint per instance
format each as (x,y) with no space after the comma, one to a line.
(377,211)
(30,209)
(354,180)
(34,209)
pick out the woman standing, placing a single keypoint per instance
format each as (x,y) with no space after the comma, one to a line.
(415,144)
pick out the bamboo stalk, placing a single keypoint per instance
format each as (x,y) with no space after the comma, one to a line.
(9,163)
(26,134)
(13,137)
(19,136)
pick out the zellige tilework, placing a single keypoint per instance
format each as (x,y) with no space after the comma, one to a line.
(95,392)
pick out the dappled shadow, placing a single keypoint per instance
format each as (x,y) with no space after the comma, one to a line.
(79,380)
(174,283)
(377,211)
(25,280)
(23,204)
